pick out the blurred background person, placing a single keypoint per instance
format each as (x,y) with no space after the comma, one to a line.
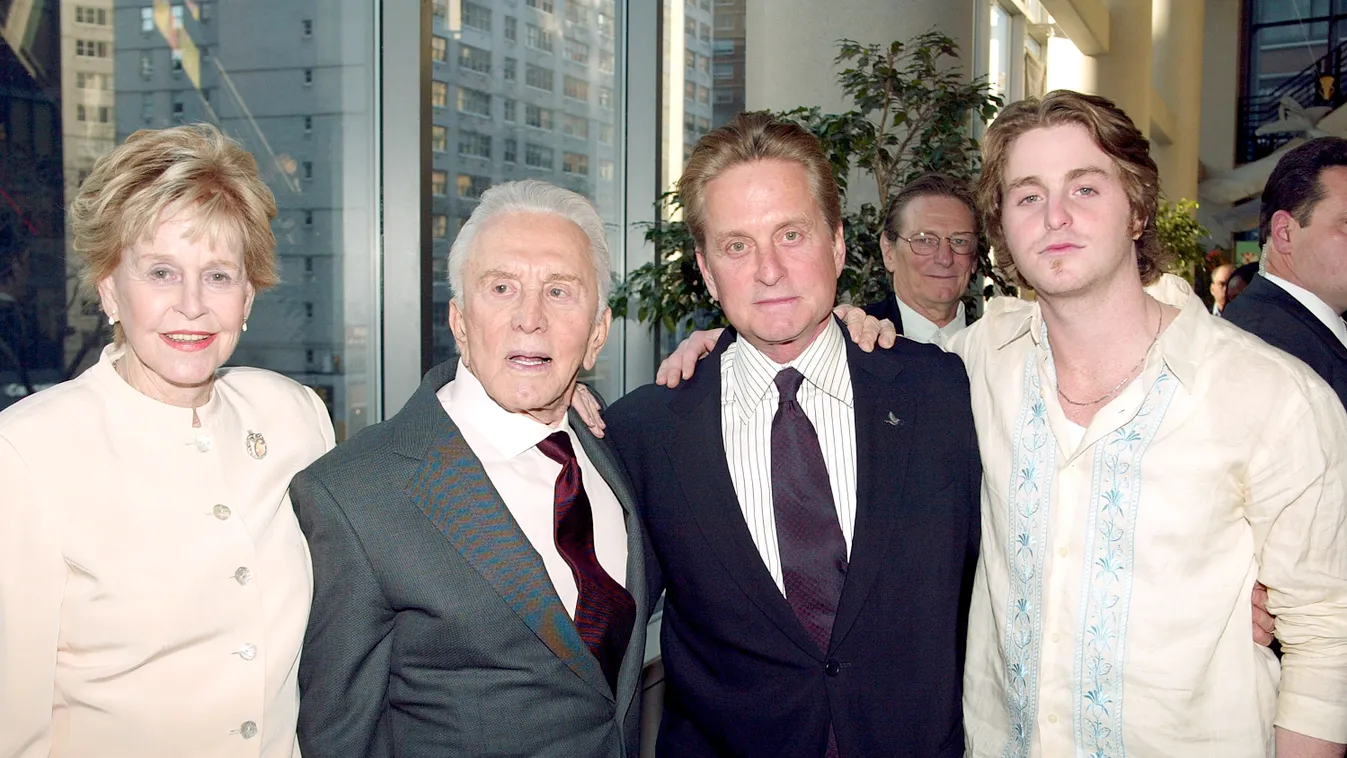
(154,583)
(1239,279)
(1220,277)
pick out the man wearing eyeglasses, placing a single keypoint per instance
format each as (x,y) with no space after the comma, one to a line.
(929,243)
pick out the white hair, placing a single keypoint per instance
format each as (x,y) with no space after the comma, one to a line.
(533,196)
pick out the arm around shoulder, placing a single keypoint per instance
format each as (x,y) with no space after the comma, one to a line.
(345,664)
(32,582)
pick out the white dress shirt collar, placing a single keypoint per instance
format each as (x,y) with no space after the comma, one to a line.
(1321,310)
(753,372)
(918,328)
(510,434)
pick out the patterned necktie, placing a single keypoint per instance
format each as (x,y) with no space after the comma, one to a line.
(604,610)
(813,552)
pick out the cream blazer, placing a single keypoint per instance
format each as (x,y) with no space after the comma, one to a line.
(154,583)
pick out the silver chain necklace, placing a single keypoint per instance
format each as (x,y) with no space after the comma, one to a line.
(1131,374)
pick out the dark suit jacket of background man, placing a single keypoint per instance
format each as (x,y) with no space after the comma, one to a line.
(743,677)
(1276,317)
(887,309)
(435,630)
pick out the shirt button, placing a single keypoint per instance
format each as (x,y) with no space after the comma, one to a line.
(242,575)
(248,652)
(248,729)
(1062,552)
(1056,637)
(832,668)
(203,443)
(221,512)
(1052,718)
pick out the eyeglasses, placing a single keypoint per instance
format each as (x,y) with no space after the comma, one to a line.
(927,244)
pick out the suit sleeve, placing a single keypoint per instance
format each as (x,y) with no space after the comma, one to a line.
(345,664)
(32,582)
(622,436)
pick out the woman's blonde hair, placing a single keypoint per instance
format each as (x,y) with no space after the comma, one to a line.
(158,173)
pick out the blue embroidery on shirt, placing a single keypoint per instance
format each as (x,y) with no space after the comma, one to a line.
(1106,582)
(1034,457)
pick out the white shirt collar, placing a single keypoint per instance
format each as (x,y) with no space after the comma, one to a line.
(918,328)
(823,364)
(1321,310)
(511,434)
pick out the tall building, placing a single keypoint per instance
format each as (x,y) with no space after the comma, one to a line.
(521,89)
(32,194)
(728,45)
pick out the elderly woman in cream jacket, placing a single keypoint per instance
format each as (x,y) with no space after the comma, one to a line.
(154,584)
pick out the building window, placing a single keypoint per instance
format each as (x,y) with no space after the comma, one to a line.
(80,114)
(724,71)
(308,310)
(606,170)
(689,59)
(474,145)
(577,13)
(147,20)
(306,28)
(689,90)
(308,124)
(537,156)
(439,182)
(308,169)
(605,97)
(175,60)
(308,77)
(704,32)
(689,28)
(87,48)
(605,18)
(724,22)
(538,38)
(104,114)
(606,61)
(439,49)
(439,226)
(575,163)
(511,29)
(704,64)
(511,108)
(577,51)
(539,77)
(511,150)
(724,98)
(703,95)
(439,94)
(93,16)
(577,89)
(511,69)
(543,5)
(471,185)
(308,221)
(474,59)
(537,116)
(147,107)
(146,63)
(439,139)
(575,126)
(605,134)
(722,47)
(477,17)
(472,101)
(176,106)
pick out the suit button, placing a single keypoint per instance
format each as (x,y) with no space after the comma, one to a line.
(248,730)
(832,668)
(221,512)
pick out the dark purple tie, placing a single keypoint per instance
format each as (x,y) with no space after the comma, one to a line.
(604,610)
(813,552)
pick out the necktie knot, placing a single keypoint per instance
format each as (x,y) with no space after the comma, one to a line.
(558,447)
(788,381)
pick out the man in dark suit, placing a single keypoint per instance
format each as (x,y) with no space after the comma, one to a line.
(813,508)
(929,246)
(478,575)
(1296,302)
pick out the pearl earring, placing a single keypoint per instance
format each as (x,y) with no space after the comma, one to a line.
(112,320)
(245,324)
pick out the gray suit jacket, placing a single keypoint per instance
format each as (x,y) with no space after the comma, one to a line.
(435,630)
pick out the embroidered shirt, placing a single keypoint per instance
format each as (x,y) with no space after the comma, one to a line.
(918,328)
(1111,609)
(748,403)
(507,445)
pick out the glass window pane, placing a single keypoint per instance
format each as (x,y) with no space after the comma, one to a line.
(234,65)
(555,70)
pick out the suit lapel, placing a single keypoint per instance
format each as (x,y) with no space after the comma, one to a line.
(698,450)
(882,451)
(453,491)
(633,660)
(1266,290)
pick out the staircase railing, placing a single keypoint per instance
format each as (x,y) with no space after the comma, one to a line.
(1318,84)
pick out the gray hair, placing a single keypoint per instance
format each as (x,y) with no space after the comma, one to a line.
(533,196)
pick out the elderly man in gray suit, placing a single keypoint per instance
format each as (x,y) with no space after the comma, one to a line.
(478,563)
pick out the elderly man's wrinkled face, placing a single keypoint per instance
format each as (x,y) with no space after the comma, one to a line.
(527,323)
(181,302)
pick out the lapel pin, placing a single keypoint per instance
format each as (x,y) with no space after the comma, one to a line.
(257,445)
(893,420)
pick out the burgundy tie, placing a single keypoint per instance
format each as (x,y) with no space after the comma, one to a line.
(604,610)
(813,551)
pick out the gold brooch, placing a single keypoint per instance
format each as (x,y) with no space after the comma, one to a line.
(257,445)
